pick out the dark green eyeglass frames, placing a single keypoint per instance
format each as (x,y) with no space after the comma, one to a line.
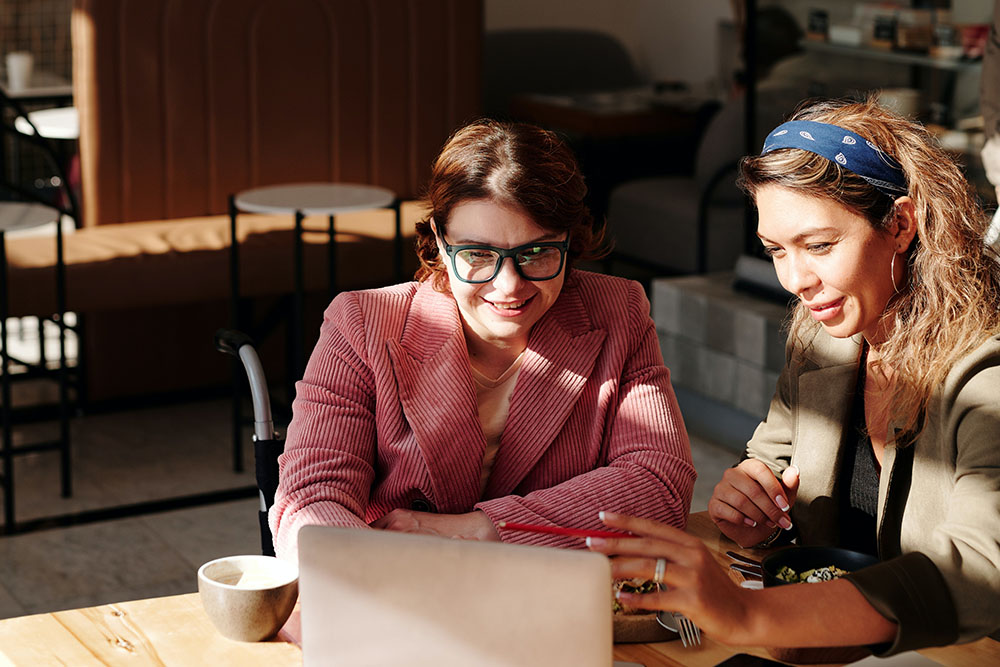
(475,264)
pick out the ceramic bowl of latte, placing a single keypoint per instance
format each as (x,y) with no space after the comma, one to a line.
(248,598)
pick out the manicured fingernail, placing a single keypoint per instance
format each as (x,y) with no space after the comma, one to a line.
(785,523)
(750,522)
(600,515)
(596,542)
(781,503)
(587,541)
(618,594)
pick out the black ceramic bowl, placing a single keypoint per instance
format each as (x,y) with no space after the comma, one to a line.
(801,559)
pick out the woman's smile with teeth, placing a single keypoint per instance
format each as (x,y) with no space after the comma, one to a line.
(508,306)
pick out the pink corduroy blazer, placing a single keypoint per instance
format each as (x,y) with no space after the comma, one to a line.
(386,417)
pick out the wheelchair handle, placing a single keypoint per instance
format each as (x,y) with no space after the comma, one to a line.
(240,345)
(230,341)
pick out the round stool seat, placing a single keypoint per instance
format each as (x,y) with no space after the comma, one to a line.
(16,215)
(58,123)
(314,198)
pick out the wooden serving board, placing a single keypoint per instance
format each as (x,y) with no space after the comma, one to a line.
(640,629)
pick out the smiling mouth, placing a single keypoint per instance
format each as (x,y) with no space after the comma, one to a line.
(509,306)
(825,306)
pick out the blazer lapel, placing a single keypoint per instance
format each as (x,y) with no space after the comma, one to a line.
(560,357)
(826,396)
(430,363)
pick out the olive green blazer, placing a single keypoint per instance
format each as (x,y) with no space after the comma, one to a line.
(939,495)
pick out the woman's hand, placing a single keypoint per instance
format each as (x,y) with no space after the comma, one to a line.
(469,526)
(750,502)
(697,586)
(829,613)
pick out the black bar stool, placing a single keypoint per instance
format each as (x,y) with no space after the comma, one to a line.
(299,200)
(15,216)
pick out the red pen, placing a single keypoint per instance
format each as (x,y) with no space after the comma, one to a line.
(559,530)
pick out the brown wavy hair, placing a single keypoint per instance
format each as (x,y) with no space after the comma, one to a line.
(950,302)
(516,165)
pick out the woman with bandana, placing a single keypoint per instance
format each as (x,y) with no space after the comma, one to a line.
(883,435)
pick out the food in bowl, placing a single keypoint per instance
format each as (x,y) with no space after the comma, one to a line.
(804,563)
(811,564)
(828,573)
(637,586)
(633,625)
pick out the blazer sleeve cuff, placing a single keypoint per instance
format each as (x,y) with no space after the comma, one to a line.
(910,591)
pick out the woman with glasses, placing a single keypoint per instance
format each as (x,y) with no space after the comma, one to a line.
(883,435)
(503,385)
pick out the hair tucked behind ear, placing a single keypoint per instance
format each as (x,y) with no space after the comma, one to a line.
(951,301)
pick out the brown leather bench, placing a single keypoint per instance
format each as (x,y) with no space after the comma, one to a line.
(175,262)
(183,103)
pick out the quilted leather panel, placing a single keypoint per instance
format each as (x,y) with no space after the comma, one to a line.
(153,264)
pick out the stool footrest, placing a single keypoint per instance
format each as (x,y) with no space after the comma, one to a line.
(35,371)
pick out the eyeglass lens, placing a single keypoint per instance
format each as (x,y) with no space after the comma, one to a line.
(539,263)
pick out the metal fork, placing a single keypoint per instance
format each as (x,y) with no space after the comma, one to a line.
(682,625)
(689,632)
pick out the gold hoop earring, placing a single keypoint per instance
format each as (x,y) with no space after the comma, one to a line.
(892,273)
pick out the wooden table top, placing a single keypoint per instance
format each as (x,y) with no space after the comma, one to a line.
(175,631)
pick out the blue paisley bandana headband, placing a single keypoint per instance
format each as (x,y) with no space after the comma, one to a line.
(849,150)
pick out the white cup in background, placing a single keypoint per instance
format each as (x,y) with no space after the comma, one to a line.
(19,66)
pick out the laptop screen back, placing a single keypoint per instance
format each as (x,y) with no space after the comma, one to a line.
(371,597)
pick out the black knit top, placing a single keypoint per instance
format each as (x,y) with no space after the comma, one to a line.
(858,480)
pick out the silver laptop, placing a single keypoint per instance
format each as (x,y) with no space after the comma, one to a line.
(372,597)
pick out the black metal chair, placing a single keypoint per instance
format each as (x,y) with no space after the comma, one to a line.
(267,444)
(63,200)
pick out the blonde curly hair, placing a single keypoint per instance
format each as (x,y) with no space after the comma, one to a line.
(950,302)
